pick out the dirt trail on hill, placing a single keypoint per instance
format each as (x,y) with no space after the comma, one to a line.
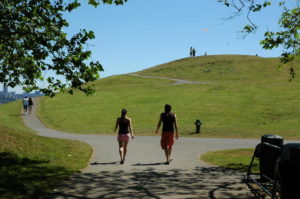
(176,81)
(144,175)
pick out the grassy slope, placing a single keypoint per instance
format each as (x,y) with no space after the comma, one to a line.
(31,165)
(248,97)
(221,68)
(238,159)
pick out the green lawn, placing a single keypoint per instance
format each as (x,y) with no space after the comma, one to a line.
(238,68)
(30,165)
(241,101)
(237,159)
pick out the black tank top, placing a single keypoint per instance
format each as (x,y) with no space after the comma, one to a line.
(168,120)
(123,126)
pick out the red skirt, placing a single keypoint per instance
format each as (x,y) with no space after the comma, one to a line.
(167,140)
(123,137)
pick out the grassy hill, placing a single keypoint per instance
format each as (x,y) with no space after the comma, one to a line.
(246,96)
(30,165)
(222,68)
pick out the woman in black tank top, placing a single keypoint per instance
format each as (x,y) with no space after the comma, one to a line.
(124,133)
(168,122)
(167,136)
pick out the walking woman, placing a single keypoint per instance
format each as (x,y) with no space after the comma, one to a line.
(124,133)
(167,136)
(30,104)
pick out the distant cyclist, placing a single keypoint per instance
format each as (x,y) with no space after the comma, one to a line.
(124,133)
(167,136)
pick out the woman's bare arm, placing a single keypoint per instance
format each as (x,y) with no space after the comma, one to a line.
(158,124)
(130,128)
(176,128)
(116,126)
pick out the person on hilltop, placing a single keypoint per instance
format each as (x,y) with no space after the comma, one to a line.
(124,133)
(25,103)
(30,104)
(194,52)
(191,51)
(167,136)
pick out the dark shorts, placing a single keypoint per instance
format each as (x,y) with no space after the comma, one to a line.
(167,140)
(25,106)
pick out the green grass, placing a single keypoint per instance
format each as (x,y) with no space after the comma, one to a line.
(237,159)
(247,97)
(222,68)
(30,165)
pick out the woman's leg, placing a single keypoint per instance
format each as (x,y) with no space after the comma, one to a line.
(124,150)
(121,150)
(169,153)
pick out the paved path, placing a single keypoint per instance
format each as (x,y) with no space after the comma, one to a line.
(143,175)
(176,81)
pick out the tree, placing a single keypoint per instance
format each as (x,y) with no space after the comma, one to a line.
(32,43)
(288,37)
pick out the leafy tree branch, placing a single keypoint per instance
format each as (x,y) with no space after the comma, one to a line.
(289,23)
(32,42)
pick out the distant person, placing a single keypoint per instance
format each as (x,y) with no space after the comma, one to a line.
(167,136)
(124,133)
(191,51)
(30,104)
(25,104)
(194,52)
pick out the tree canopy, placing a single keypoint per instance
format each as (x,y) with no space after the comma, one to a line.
(32,43)
(288,37)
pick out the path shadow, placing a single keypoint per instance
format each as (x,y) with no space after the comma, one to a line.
(240,166)
(104,163)
(26,178)
(148,164)
(204,183)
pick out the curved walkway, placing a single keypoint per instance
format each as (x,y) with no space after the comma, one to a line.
(176,81)
(143,175)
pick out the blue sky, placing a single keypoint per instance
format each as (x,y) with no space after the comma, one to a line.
(145,33)
(141,33)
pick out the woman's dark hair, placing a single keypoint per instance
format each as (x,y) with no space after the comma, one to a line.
(168,108)
(123,112)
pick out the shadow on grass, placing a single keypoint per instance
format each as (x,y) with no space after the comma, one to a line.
(242,167)
(26,178)
(18,115)
(212,183)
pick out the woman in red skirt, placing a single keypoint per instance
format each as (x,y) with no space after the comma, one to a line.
(124,133)
(167,136)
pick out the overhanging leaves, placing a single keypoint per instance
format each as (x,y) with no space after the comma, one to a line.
(32,43)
